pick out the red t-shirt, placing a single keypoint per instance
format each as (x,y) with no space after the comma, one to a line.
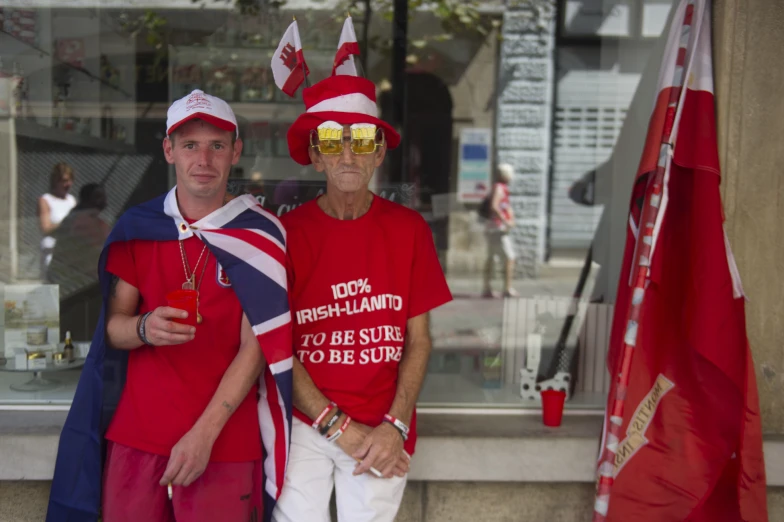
(504,205)
(353,285)
(168,387)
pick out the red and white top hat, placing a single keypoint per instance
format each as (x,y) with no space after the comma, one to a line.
(343,99)
(203,106)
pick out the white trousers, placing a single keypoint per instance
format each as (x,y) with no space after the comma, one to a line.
(315,467)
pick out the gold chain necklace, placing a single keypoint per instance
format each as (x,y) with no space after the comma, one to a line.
(189,277)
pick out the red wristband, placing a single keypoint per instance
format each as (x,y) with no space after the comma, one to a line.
(335,436)
(323,414)
(398,424)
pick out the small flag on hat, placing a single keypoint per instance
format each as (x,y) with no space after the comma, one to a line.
(288,63)
(344,62)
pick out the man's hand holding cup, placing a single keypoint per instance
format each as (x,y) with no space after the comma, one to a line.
(162,327)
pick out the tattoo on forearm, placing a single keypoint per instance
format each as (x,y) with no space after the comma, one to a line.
(229,407)
(113,286)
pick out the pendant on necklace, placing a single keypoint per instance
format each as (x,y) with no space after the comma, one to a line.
(198,315)
(188,285)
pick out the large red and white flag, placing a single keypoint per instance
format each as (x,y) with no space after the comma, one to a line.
(683,438)
(288,63)
(347,46)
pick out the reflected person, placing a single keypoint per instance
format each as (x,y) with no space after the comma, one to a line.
(498,232)
(53,206)
(79,241)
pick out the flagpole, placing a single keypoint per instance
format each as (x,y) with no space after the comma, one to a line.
(648,218)
(358,63)
(304,70)
(305,74)
(360,69)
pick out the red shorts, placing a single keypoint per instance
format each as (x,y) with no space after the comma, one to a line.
(226,491)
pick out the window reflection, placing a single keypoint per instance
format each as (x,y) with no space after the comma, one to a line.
(532,104)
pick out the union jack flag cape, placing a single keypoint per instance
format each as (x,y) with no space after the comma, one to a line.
(250,245)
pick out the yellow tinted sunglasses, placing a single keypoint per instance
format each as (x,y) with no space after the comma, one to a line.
(329,140)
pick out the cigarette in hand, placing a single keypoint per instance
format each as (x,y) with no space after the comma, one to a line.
(373,470)
(171,492)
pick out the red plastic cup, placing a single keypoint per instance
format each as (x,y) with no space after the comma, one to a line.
(184,300)
(552,407)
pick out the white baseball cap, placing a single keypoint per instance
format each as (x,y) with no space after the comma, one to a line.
(199,105)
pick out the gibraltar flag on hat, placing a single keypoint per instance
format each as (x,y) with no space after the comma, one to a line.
(288,63)
(344,62)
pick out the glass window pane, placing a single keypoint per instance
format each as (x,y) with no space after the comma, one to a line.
(517,148)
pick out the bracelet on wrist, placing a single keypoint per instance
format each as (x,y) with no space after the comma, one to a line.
(331,422)
(324,412)
(399,425)
(141,329)
(138,327)
(335,436)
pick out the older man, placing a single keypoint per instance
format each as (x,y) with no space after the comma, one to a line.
(363,275)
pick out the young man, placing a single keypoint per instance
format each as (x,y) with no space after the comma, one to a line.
(185,442)
(500,224)
(363,275)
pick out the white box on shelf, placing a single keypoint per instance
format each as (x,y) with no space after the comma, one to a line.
(36,364)
(81,350)
(31,317)
(20,358)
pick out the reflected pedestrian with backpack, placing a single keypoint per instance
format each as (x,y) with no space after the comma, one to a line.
(500,221)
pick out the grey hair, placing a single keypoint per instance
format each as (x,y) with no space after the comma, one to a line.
(505,172)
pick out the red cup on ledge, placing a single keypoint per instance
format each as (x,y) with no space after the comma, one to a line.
(184,300)
(552,407)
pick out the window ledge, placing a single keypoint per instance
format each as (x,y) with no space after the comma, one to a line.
(451,447)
